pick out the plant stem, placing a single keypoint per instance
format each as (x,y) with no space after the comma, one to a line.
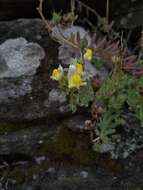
(50,29)
(107,11)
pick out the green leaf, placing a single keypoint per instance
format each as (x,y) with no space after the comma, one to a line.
(73,101)
(56,18)
(133,98)
(83,43)
(98,63)
(117,102)
(86,95)
(140,81)
(108,124)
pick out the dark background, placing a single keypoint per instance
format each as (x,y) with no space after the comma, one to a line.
(120,10)
(12,9)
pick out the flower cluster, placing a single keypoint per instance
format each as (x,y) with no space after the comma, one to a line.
(74,75)
(75,72)
(72,81)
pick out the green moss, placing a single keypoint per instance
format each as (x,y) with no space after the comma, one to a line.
(36,169)
(17,174)
(21,174)
(72,146)
(8,127)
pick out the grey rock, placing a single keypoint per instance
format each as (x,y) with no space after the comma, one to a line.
(106,148)
(84,174)
(21,58)
(75,123)
(14,88)
(125,144)
(22,141)
(66,52)
(56,102)
(99,178)
(56,95)
(40,159)
(90,70)
(51,170)
(25,83)
(18,65)
(58,33)
(3,65)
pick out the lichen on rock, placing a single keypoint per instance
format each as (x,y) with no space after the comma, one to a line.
(19,61)
(21,57)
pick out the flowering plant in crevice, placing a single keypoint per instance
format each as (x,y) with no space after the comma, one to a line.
(119,87)
(73,84)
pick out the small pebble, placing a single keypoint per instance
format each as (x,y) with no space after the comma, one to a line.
(40,159)
(51,170)
(84,174)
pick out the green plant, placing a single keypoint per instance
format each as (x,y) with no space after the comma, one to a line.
(56,18)
(122,89)
(98,63)
(117,93)
(107,125)
(71,81)
(81,98)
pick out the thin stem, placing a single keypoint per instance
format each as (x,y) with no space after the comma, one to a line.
(50,29)
(40,11)
(107,10)
(94,140)
(141,46)
(90,9)
(73,6)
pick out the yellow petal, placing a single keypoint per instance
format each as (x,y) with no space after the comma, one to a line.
(75,81)
(56,74)
(79,69)
(88,55)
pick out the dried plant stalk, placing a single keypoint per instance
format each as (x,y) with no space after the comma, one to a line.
(50,28)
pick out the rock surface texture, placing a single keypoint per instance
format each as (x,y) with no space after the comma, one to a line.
(24,78)
(19,61)
(36,125)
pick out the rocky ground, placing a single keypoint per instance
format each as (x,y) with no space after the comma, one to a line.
(43,145)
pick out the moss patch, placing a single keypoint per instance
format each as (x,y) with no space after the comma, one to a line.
(68,145)
(8,127)
(25,174)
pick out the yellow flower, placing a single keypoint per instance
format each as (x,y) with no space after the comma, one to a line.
(88,55)
(76,68)
(79,69)
(75,81)
(57,73)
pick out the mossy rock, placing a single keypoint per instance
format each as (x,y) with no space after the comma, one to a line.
(8,127)
(25,174)
(69,145)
